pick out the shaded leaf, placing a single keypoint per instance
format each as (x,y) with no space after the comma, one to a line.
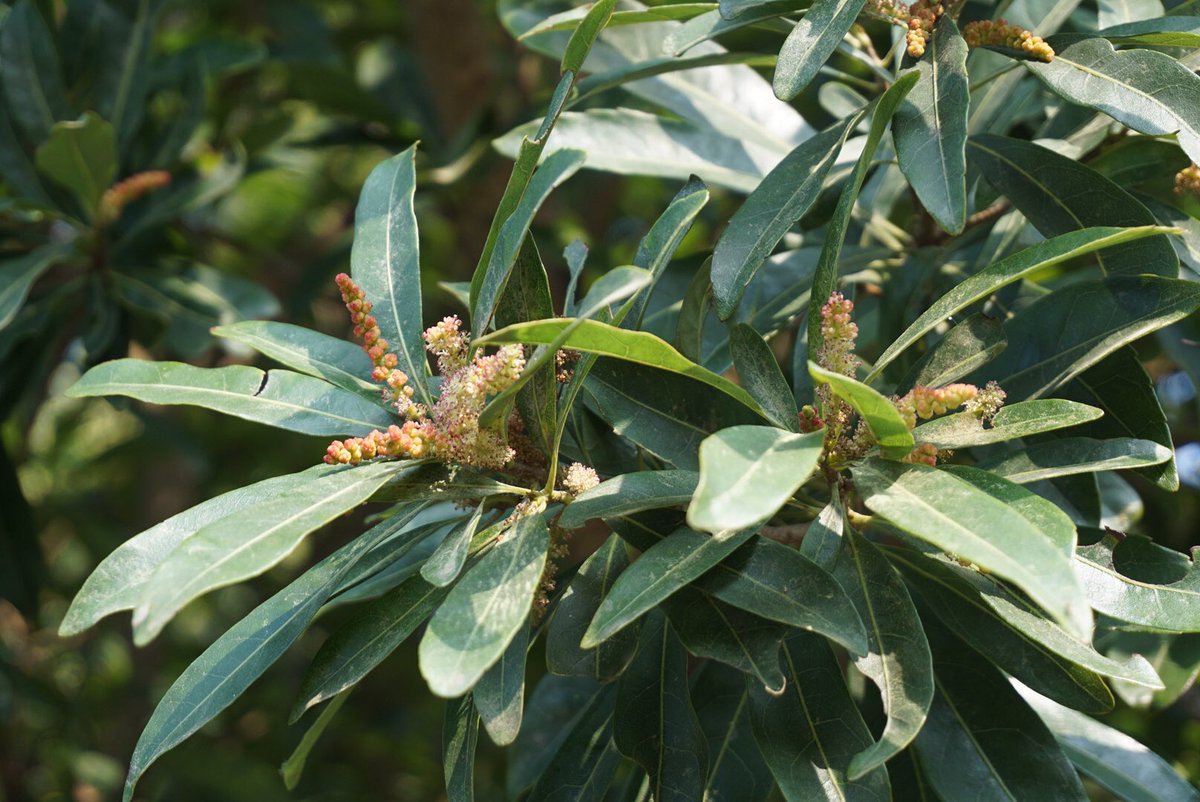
(811,43)
(18,275)
(310,352)
(585,763)
(1169,606)
(80,155)
(30,73)
(629,493)
(736,770)
(718,631)
(1065,456)
(460,733)
(500,693)
(293,767)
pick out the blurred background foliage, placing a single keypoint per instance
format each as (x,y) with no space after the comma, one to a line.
(284,108)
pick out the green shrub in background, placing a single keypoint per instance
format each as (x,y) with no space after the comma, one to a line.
(893,563)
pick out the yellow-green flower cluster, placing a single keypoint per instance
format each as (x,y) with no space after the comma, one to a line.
(998,33)
(1188,180)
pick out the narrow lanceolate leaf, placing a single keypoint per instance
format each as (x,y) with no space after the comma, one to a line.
(1044,254)
(630,493)
(1066,332)
(584,36)
(931,128)
(248,542)
(1058,194)
(293,767)
(1161,31)
(965,520)
(779,584)
(897,659)
(1110,757)
(1071,455)
(894,437)
(782,198)
(80,155)
(981,741)
(460,733)
(968,346)
(735,765)
(809,735)
(760,374)
(31,73)
(662,240)
(1006,628)
(710,24)
(310,352)
(500,693)
(575,611)
(555,707)
(241,655)
(594,337)
(557,167)
(446,562)
(1022,419)
(1148,91)
(747,473)
(277,398)
(484,611)
(714,630)
(659,572)
(386,262)
(654,722)
(18,275)
(118,581)
(1167,607)
(584,764)
(363,642)
(811,43)
(825,278)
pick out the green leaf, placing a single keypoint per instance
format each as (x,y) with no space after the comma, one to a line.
(277,398)
(782,198)
(558,167)
(81,155)
(779,584)
(30,73)
(1059,195)
(118,581)
(363,642)
(1065,456)
(1168,606)
(460,733)
(293,767)
(446,562)
(1110,757)
(1062,334)
(629,493)
(570,20)
(970,522)
(555,708)
(1174,657)
(1022,419)
(811,43)
(500,693)
(661,570)
(969,345)
(18,275)
(674,422)
(485,610)
(897,658)
(981,740)
(895,438)
(930,131)
(575,610)
(1044,254)
(615,285)
(584,35)
(240,656)
(711,24)
(1120,386)
(735,765)
(1148,91)
(809,735)
(1009,630)
(1160,32)
(654,722)
(747,473)
(759,371)
(662,240)
(123,77)
(309,352)
(825,278)
(594,337)
(714,630)
(385,261)
(585,763)
(248,542)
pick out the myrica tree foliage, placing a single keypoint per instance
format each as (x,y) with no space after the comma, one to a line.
(890,564)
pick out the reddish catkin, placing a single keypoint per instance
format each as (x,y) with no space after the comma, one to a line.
(122,193)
